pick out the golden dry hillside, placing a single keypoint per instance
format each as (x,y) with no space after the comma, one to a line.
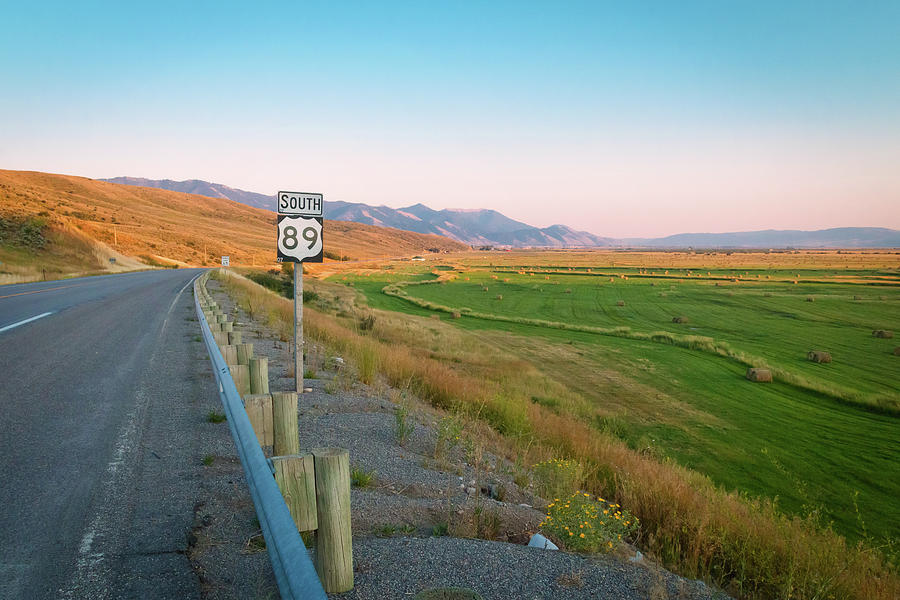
(65,224)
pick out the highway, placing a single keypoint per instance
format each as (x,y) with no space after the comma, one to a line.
(97,456)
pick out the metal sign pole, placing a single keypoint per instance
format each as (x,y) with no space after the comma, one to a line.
(298,326)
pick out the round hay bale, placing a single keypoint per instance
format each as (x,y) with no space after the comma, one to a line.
(883,333)
(455,315)
(499,296)
(759,375)
(620,303)
(897,351)
(679,319)
(819,356)
(484,289)
(857,297)
(810,299)
(568,291)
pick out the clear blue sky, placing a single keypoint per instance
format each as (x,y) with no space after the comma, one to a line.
(631,118)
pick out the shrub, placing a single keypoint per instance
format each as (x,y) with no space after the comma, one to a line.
(556,477)
(367,322)
(585,524)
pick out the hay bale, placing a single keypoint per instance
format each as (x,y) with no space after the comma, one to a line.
(883,333)
(857,297)
(484,289)
(819,356)
(568,291)
(620,303)
(768,294)
(897,351)
(810,299)
(759,375)
(499,296)
(679,319)
(455,315)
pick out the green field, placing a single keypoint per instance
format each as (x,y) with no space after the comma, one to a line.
(822,436)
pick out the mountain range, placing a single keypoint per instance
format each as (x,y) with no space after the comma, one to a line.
(485,227)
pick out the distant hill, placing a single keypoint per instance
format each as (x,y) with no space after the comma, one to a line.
(73,224)
(482,227)
(485,227)
(841,237)
(201,188)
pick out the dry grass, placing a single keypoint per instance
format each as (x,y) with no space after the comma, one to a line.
(746,546)
(185,229)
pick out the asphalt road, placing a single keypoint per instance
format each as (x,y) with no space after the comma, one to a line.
(97,455)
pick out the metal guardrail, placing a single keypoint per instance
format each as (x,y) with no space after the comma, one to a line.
(294,571)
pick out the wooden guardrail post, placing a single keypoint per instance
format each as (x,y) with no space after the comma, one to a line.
(241,376)
(221,338)
(244,354)
(229,353)
(296,479)
(227,326)
(334,538)
(259,375)
(234,338)
(259,411)
(284,421)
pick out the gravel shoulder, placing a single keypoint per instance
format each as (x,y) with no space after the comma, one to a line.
(416,524)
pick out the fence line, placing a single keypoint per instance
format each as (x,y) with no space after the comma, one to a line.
(294,572)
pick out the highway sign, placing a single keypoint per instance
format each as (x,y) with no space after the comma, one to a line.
(225,261)
(299,239)
(300,203)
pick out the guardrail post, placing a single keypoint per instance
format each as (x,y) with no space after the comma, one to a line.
(334,538)
(227,326)
(296,479)
(241,376)
(259,374)
(221,338)
(229,353)
(244,354)
(259,411)
(234,338)
(284,412)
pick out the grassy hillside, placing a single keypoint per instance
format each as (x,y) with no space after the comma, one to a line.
(74,224)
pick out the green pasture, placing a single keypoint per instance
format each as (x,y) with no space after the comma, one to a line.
(810,449)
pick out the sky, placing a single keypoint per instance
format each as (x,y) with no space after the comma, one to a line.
(622,119)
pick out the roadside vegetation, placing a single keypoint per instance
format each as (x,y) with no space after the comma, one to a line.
(747,545)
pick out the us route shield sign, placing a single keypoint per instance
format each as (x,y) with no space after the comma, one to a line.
(299,239)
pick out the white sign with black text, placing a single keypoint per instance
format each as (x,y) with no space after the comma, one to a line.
(225,261)
(303,204)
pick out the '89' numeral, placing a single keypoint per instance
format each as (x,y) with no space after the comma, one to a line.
(290,237)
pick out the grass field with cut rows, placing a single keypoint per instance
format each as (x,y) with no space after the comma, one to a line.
(821,437)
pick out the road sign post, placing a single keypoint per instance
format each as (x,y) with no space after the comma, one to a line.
(299,240)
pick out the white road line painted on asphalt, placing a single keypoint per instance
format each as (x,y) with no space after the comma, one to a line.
(29,320)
